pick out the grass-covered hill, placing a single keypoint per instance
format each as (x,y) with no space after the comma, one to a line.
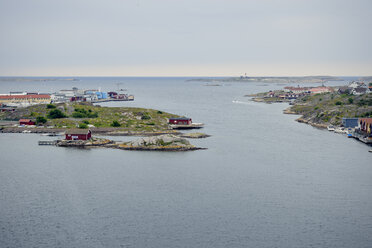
(73,115)
(330,108)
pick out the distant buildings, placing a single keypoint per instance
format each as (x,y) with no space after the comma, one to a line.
(25,99)
(350,122)
(355,88)
(365,125)
(320,90)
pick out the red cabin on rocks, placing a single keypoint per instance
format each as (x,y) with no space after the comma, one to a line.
(180,121)
(78,134)
(26,122)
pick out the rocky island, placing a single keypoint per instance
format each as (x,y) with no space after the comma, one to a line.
(166,142)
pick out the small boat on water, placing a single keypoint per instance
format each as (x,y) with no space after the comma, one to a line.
(331,128)
(370,150)
(340,130)
(26,131)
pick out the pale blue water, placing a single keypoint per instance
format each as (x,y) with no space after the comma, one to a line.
(265,181)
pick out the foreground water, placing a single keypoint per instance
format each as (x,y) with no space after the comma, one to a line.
(265,181)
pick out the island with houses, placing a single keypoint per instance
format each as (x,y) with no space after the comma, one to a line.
(344,109)
(79,120)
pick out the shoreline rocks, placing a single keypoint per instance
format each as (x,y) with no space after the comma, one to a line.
(167,142)
(194,135)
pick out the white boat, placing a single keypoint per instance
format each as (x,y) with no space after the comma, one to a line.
(331,128)
(340,130)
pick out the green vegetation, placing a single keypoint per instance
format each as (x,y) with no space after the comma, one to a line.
(83,125)
(55,114)
(51,106)
(40,120)
(130,119)
(115,123)
(83,113)
(333,107)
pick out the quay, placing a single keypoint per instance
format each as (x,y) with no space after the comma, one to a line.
(47,143)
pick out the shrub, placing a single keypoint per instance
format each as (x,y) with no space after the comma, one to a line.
(83,125)
(82,113)
(51,106)
(78,115)
(338,103)
(145,117)
(350,100)
(41,120)
(86,121)
(159,112)
(115,124)
(55,114)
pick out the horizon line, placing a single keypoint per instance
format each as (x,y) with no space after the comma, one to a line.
(71,76)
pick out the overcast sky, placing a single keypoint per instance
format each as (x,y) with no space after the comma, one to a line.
(185,37)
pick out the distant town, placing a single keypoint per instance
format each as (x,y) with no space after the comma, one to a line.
(345,109)
(12,100)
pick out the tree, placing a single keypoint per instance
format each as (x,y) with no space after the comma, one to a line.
(55,114)
(83,125)
(51,106)
(41,120)
(115,124)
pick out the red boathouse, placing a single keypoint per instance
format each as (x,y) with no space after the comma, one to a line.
(78,134)
(180,121)
(26,122)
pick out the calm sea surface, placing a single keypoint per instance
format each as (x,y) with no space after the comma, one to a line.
(265,180)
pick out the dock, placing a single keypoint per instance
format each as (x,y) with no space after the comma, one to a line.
(189,126)
(47,142)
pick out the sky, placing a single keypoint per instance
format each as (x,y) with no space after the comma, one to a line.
(185,37)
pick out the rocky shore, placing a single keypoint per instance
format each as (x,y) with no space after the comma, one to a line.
(165,142)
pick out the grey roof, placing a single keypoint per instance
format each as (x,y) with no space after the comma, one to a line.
(77,131)
(360,90)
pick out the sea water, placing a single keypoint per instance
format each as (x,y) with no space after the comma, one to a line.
(265,180)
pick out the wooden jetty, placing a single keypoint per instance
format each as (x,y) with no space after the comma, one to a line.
(47,142)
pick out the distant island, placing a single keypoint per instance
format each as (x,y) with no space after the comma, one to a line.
(299,80)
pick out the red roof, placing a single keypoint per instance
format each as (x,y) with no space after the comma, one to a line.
(24,120)
(25,96)
(366,120)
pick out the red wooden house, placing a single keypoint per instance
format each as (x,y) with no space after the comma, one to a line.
(180,121)
(78,134)
(366,125)
(26,122)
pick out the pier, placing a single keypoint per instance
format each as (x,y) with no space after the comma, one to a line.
(47,142)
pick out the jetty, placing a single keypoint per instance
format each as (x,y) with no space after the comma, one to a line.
(47,142)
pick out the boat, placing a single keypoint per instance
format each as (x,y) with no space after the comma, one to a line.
(349,135)
(340,130)
(331,128)
(26,131)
